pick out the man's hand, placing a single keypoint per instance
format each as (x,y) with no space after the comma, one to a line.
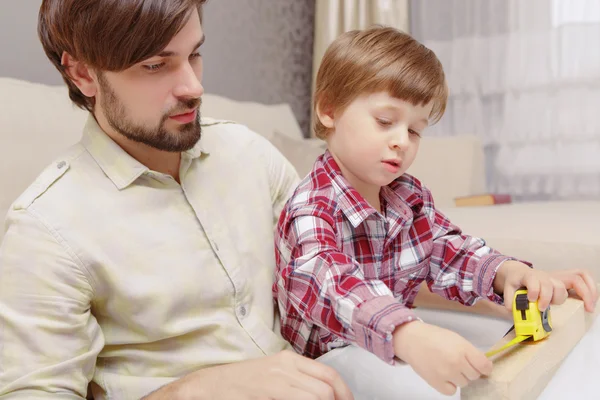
(544,287)
(284,376)
(444,359)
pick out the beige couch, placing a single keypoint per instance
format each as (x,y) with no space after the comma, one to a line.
(38,121)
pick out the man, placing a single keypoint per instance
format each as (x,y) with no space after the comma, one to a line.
(140,263)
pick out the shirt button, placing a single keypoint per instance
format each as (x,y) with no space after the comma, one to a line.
(243,311)
(61,165)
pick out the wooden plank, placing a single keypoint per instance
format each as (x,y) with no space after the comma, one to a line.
(426,299)
(523,371)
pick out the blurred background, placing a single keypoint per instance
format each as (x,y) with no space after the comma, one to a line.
(524,75)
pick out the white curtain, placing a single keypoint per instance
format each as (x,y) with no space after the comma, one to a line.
(524,75)
(334,17)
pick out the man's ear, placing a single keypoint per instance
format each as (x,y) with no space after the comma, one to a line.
(325,114)
(81,75)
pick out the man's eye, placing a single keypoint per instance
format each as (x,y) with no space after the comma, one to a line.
(195,55)
(154,67)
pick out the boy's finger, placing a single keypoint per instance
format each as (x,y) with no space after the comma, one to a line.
(545,297)
(560,292)
(509,293)
(480,362)
(578,283)
(447,388)
(470,372)
(533,287)
(591,284)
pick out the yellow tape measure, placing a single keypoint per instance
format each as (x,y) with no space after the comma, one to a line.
(530,322)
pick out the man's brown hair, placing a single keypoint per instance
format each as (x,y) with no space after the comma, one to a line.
(109,35)
(378,59)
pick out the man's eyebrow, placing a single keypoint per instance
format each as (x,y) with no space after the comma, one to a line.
(167,53)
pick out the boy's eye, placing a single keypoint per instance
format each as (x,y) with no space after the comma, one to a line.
(383,122)
(413,132)
(154,67)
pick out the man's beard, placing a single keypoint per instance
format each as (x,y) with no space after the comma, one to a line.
(185,137)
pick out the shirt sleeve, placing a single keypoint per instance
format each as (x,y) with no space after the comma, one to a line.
(49,340)
(462,267)
(283,177)
(327,287)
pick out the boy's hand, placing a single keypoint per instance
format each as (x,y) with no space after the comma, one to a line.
(444,359)
(541,286)
(582,283)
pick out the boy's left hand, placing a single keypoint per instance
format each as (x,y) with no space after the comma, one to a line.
(545,287)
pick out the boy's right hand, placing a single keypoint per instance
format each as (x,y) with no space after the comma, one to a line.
(443,358)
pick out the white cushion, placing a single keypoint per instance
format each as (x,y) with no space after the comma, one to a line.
(552,235)
(450,167)
(37,122)
(301,153)
(261,118)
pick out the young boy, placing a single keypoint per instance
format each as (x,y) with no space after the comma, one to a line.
(359,235)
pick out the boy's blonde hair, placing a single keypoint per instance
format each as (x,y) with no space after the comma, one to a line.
(378,59)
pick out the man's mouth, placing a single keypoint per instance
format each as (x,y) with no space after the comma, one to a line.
(185,117)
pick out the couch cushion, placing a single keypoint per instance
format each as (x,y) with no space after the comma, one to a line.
(552,235)
(301,153)
(450,167)
(37,122)
(263,119)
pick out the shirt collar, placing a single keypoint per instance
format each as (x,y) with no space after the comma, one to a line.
(121,168)
(405,190)
(352,204)
(397,194)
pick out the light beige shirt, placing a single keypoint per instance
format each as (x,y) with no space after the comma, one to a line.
(116,274)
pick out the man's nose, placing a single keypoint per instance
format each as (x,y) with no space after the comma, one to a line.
(190,85)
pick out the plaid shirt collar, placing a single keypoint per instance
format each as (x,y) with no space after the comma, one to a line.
(398,195)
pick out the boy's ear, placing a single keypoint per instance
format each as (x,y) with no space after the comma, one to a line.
(81,75)
(325,115)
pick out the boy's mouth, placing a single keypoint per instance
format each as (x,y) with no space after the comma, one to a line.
(395,163)
(392,165)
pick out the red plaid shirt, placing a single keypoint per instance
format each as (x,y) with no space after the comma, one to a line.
(349,274)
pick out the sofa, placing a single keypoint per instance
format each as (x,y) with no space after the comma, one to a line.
(37,121)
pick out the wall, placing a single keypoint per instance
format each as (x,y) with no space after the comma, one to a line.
(256,50)
(261,50)
(22,53)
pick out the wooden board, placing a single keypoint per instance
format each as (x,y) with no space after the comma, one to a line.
(426,299)
(523,371)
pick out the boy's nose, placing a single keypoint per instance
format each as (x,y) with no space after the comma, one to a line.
(400,141)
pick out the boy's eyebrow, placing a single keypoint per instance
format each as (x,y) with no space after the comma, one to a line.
(173,53)
(396,108)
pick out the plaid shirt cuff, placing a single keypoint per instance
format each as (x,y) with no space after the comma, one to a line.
(483,277)
(374,322)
